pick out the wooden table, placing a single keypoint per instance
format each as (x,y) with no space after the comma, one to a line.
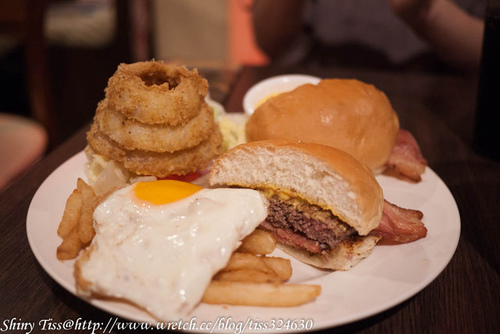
(438,110)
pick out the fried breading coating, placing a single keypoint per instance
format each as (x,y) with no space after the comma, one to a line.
(158,164)
(154,92)
(131,134)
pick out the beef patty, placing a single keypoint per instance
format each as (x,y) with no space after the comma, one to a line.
(300,224)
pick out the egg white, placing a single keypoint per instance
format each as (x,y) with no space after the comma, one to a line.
(162,257)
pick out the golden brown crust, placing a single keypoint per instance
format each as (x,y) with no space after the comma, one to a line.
(131,134)
(155,121)
(153,163)
(154,92)
(347,114)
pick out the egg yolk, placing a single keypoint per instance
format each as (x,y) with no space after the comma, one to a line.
(164,191)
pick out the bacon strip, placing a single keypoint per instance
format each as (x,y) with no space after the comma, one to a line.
(400,225)
(406,158)
(291,238)
(396,225)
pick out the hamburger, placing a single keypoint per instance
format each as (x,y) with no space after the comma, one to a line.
(323,203)
(348,114)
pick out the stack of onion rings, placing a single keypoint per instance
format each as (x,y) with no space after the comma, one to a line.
(154,120)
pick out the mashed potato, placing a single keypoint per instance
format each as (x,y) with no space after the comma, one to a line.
(232,125)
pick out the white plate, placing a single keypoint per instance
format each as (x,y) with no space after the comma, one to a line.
(274,85)
(389,276)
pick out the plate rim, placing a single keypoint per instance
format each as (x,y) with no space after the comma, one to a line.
(105,306)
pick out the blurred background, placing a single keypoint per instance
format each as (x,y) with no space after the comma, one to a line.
(57,55)
(83,41)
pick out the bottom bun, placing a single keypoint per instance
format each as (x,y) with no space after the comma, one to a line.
(346,255)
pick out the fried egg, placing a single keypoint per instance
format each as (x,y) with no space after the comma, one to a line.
(159,243)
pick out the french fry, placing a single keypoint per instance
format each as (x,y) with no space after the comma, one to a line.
(85,227)
(260,294)
(69,248)
(239,261)
(76,227)
(71,214)
(251,278)
(247,275)
(259,242)
(282,267)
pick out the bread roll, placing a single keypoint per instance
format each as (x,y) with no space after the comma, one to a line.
(348,114)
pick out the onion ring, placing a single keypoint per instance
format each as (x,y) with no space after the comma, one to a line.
(153,92)
(153,163)
(131,135)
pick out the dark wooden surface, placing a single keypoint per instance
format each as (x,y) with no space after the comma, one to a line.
(438,110)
